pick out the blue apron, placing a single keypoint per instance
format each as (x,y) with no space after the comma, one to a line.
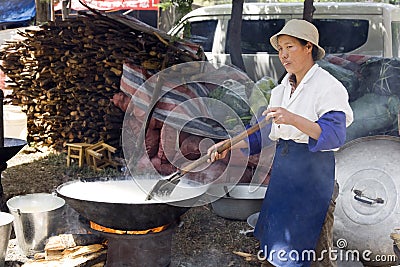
(295,204)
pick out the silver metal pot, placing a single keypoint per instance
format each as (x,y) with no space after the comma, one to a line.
(236,201)
(37,217)
(6,220)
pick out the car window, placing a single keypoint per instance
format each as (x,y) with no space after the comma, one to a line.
(202,33)
(342,35)
(256,34)
(395,38)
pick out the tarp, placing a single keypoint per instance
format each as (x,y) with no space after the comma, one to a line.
(182,107)
(12,11)
(113,4)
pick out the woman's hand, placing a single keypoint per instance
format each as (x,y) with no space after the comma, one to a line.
(279,115)
(283,116)
(214,155)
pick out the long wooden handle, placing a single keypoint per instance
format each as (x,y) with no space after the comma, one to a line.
(236,139)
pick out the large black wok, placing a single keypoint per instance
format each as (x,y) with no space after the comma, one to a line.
(128,216)
(11,147)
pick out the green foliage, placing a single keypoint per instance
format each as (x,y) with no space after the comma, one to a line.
(232,93)
(182,7)
(261,93)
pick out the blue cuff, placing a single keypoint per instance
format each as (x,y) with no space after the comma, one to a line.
(333,135)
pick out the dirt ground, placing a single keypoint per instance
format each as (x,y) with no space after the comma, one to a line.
(202,239)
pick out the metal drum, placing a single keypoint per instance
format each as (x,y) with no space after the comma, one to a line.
(367,210)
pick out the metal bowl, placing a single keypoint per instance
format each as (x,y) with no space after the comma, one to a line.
(236,201)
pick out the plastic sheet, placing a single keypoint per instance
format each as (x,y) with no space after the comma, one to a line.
(373,114)
(17,11)
(381,76)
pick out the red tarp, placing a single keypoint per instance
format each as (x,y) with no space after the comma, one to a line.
(113,4)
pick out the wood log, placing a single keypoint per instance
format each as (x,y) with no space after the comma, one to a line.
(247,256)
(64,74)
(79,256)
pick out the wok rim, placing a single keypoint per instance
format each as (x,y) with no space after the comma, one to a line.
(11,203)
(174,202)
(127,216)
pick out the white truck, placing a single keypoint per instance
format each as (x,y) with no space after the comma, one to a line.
(346,27)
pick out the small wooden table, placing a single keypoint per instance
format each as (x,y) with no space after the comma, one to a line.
(99,156)
(76,151)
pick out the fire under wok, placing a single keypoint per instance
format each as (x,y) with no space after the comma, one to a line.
(120,203)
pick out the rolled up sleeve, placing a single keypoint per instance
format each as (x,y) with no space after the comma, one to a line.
(333,135)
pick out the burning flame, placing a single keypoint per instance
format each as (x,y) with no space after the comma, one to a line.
(103,229)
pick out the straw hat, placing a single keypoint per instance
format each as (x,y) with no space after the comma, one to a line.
(301,29)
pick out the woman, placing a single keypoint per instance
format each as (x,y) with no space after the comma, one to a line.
(310,113)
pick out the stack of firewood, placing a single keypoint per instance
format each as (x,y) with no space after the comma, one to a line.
(73,250)
(64,74)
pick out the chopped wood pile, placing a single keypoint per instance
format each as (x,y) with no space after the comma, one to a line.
(72,251)
(64,74)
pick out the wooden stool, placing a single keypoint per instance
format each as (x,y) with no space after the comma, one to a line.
(99,156)
(76,151)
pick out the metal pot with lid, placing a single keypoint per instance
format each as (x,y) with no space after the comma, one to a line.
(367,209)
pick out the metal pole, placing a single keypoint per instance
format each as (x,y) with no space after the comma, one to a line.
(66,6)
(52,15)
(3,165)
(1,119)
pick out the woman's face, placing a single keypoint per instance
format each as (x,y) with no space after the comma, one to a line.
(295,57)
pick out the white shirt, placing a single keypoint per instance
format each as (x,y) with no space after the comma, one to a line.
(318,93)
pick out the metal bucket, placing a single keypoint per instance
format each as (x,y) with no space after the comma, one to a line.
(37,217)
(5,231)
